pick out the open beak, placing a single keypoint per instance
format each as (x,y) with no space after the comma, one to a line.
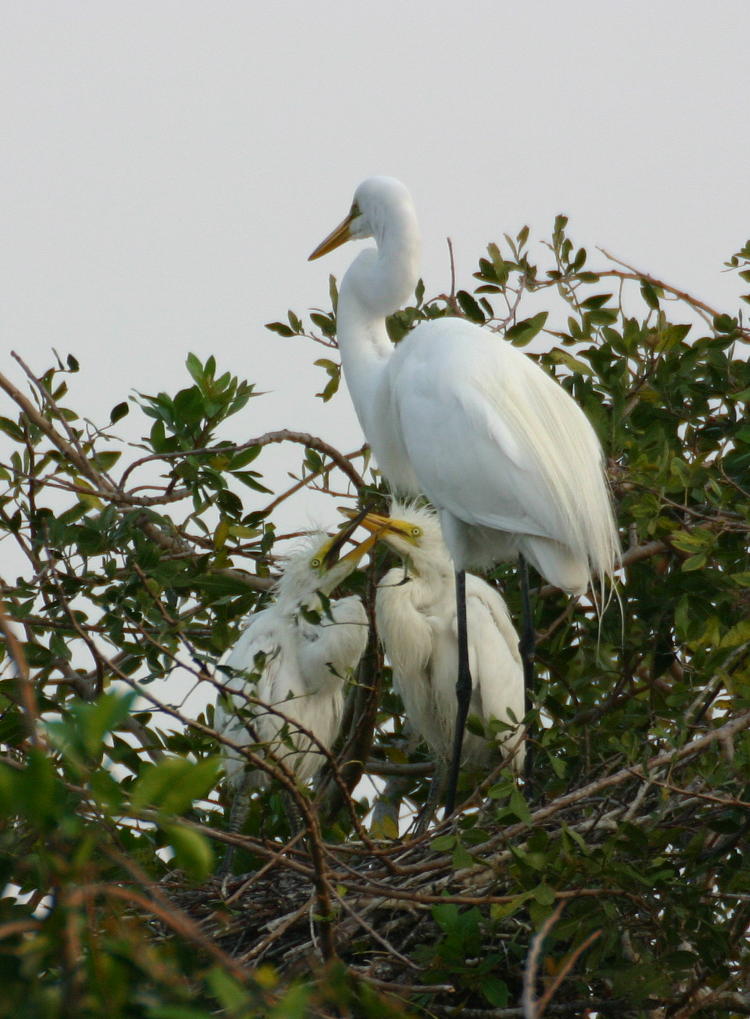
(379,526)
(331,554)
(337,237)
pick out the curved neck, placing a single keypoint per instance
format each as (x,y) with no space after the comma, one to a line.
(376,284)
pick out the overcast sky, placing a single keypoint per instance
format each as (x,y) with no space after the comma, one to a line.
(168,166)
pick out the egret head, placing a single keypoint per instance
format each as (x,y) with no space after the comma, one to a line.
(378,202)
(414,533)
(317,565)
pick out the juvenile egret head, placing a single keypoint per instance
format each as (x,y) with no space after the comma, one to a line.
(317,565)
(413,532)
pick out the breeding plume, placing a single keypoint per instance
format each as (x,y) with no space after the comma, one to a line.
(417,623)
(289,670)
(505,455)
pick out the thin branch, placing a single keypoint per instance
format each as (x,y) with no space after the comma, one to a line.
(26,687)
(682,295)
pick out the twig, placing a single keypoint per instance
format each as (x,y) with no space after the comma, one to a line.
(532,965)
(636,274)
(27,692)
(284,435)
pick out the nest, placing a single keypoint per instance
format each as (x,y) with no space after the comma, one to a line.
(384,908)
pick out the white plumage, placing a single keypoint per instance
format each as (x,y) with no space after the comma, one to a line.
(506,456)
(416,619)
(295,665)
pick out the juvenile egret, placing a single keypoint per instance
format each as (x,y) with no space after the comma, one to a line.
(296,665)
(500,449)
(417,623)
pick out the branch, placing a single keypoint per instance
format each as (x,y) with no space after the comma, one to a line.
(284,435)
(637,275)
(27,693)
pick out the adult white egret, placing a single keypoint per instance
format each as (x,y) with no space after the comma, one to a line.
(501,450)
(416,616)
(293,657)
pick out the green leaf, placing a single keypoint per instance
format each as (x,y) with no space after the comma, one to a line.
(519,806)
(737,634)
(725,324)
(595,301)
(195,368)
(579,260)
(524,331)
(649,295)
(174,783)
(501,910)
(462,858)
(443,843)
(280,328)
(119,411)
(244,457)
(106,460)
(293,1005)
(469,307)
(333,292)
(326,323)
(193,852)
(544,894)
(230,993)
(694,562)
(249,478)
(495,990)
(692,541)
(221,534)
(189,406)
(558,356)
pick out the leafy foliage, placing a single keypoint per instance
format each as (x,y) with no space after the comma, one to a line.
(614,879)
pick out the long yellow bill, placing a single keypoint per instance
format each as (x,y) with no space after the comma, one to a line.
(331,553)
(334,239)
(379,526)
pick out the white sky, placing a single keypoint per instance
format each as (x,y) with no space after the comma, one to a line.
(168,166)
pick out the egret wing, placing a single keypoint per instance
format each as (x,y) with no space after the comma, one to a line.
(493,439)
(494,659)
(253,668)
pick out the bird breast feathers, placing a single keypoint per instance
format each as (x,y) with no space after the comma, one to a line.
(404,630)
(333,647)
(484,600)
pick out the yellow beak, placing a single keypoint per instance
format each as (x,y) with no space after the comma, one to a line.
(337,237)
(380,526)
(359,550)
(331,552)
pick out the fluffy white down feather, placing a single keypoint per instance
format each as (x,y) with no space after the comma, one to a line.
(416,618)
(302,672)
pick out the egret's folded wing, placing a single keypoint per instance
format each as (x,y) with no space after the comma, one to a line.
(495,661)
(494,440)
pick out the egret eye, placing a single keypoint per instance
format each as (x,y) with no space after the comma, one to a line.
(316,563)
(416,532)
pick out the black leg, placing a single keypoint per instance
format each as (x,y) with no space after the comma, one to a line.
(527,647)
(237,817)
(463,692)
